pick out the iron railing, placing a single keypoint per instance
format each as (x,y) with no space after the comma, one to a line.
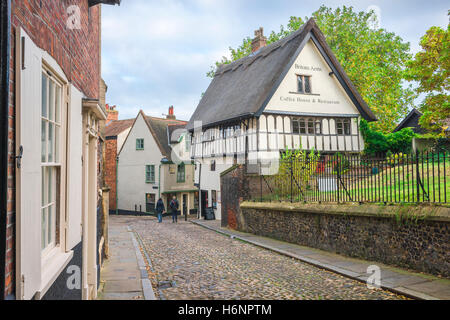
(339,178)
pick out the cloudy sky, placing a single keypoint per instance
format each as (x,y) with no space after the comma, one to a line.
(156,52)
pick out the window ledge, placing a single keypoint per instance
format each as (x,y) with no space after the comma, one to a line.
(305,94)
(55,263)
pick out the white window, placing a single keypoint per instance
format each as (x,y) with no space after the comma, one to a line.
(50,158)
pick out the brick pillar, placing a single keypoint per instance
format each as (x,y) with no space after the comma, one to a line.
(110,170)
(235,188)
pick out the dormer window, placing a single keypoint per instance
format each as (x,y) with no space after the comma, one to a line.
(304,84)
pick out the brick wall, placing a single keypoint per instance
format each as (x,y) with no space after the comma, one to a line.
(110,170)
(77,53)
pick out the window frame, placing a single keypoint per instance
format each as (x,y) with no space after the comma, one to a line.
(138,145)
(181,174)
(303,90)
(213,166)
(150,173)
(345,124)
(150,204)
(52,188)
(304,125)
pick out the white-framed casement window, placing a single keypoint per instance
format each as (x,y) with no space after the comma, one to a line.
(51,120)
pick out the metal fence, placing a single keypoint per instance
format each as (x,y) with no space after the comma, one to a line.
(339,178)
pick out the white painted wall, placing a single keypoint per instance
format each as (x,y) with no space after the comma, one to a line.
(332,100)
(132,186)
(210,180)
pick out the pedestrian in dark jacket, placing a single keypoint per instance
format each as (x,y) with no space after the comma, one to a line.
(174,206)
(160,209)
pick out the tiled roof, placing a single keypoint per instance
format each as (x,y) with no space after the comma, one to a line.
(114,128)
(160,129)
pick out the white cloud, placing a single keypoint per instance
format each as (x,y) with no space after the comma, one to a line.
(156,52)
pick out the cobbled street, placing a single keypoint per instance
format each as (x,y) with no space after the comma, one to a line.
(189,262)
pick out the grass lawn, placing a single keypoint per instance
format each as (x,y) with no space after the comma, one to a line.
(395,184)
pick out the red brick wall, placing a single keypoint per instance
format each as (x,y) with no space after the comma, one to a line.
(110,170)
(78,54)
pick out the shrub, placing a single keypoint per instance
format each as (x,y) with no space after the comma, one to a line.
(380,143)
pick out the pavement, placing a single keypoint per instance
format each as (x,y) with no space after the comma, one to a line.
(403,282)
(124,274)
(188,262)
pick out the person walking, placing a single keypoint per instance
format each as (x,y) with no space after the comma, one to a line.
(160,209)
(174,206)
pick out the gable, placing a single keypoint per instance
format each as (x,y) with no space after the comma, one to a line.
(244,88)
(151,152)
(327,97)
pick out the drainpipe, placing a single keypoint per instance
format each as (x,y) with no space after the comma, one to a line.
(159,182)
(117,186)
(199,211)
(5,51)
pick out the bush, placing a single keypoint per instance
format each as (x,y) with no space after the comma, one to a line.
(380,143)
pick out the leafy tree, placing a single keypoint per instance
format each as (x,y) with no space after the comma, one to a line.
(431,69)
(374,59)
(379,143)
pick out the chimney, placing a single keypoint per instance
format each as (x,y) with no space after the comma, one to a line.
(260,41)
(171,115)
(113,114)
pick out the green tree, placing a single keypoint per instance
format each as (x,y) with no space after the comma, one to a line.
(374,59)
(431,69)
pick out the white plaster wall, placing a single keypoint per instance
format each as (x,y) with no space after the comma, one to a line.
(311,63)
(131,186)
(121,139)
(210,180)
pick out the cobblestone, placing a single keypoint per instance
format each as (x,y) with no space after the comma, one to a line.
(203,265)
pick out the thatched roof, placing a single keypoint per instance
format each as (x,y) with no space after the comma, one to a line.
(243,88)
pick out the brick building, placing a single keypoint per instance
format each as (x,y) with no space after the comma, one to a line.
(116,132)
(51,116)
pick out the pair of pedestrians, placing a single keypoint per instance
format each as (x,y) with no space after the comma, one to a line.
(174,206)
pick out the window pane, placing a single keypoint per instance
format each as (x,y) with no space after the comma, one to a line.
(58,104)
(43,229)
(311,127)
(50,225)
(51,142)
(44,96)
(347,128)
(50,184)
(44,141)
(300,84)
(318,127)
(51,106)
(308,84)
(295,127)
(57,141)
(339,127)
(43,173)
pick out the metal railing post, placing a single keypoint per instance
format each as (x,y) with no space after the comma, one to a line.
(417,176)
